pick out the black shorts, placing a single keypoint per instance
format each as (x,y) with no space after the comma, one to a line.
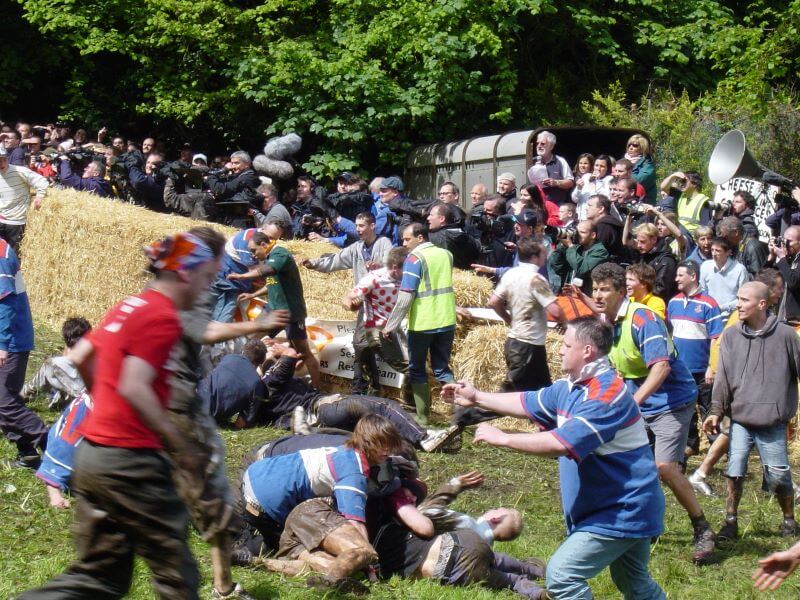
(296,330)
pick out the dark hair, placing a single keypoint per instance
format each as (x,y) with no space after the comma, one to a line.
(456,191)
(536,195)
(593,331)
(768,276)
(628,182)
(309,179)
(606,159)
(695,178)
(722,242)
(255,351)
(418,230)
(445,210)
(74,329)
(603,201)
(746,196)
(366,216)
(611,273)
(527,247)
(644,273)
(259,237)
(691,267)
(578,162)
(211,238)
(501,203)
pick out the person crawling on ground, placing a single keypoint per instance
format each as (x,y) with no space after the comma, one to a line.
(272,487)
(234,388)
(288,395)
(58,376)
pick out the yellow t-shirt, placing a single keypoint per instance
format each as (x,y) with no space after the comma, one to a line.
(655,304)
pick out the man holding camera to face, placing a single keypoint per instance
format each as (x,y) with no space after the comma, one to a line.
(784,252)
(688,202)
(577,255)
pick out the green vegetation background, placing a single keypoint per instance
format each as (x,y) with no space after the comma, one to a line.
(365,80)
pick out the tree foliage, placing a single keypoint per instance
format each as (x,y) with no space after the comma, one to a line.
(364,80)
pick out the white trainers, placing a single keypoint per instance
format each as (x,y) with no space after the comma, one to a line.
(436,438)
(299,422)
(698,481)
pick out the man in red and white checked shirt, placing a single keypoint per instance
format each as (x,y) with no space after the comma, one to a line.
(377,292)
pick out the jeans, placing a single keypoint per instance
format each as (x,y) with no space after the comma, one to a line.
(345,413)
(771,445)
(20,424)
(440,345)
(583,555)
(225,294)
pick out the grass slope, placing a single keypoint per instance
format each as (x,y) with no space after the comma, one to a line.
(36,543)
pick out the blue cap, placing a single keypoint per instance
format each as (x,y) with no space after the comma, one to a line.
(392,183)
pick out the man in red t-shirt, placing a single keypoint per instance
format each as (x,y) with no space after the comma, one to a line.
(126,501)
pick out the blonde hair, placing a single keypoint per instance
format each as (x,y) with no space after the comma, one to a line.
(644,144)
(703,231)
(647,229)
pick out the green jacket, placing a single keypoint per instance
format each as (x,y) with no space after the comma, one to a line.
(574,261)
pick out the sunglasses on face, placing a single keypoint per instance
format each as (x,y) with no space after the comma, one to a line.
(633,145)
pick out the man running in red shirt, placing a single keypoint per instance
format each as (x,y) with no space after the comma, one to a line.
(126,501)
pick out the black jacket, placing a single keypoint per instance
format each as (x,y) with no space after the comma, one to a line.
(240,188)
(609,233)
(666,266)
(464,248)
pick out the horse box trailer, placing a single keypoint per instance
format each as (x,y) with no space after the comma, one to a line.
(481,159)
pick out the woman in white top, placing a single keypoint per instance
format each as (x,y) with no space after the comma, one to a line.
(590,184)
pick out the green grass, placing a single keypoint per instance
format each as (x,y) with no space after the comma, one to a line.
(35,543)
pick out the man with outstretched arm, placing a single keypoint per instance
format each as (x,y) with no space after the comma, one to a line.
(612,501)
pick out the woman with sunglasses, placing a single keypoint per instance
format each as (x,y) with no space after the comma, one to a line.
(638,151)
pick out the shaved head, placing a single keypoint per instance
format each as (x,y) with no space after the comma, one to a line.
(756,289)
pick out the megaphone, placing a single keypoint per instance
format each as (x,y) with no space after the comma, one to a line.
(731,158)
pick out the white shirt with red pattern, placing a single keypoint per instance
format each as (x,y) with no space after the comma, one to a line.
(379,293)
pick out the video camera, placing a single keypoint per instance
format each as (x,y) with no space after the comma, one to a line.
(494,226)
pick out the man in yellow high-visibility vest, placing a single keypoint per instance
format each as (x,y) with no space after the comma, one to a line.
(426,295)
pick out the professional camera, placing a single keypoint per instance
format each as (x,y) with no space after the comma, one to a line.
(778,242)
(632,208)
(79,158)
(495,226)
(570,232)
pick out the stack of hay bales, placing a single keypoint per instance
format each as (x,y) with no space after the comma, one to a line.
(82,254)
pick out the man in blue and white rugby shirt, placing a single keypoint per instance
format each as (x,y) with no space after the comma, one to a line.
(612,501)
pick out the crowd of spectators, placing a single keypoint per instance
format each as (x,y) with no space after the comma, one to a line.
(663,264)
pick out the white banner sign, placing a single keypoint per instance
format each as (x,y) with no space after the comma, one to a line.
(764,195)
(334,341)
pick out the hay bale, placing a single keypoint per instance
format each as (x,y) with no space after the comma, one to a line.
(82,254)
(471,290)
(479,357)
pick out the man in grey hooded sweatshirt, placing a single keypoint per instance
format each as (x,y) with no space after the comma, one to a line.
(756,385)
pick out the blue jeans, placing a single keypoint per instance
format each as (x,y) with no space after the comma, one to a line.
(224,294)
(771,445)
(583,555)
(439,345)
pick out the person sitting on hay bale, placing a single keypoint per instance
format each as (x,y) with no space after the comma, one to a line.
(287,395)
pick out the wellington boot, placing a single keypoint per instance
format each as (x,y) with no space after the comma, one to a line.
(422,400)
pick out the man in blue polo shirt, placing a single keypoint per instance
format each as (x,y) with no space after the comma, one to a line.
(644,355)
(610,495)
(694,319)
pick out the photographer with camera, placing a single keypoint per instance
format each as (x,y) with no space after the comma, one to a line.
(694,209)
(784,253)
(240,186)
(787,212)
(146,183)
(351,197)
(493,228)
(188,197)
(608,226)
(444,232)
(576,256)
(91,181)
(271,209)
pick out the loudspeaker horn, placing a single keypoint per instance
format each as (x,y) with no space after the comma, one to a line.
(731,158)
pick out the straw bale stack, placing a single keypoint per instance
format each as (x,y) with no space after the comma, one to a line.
(470,289)
(81,254)
(479,357)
